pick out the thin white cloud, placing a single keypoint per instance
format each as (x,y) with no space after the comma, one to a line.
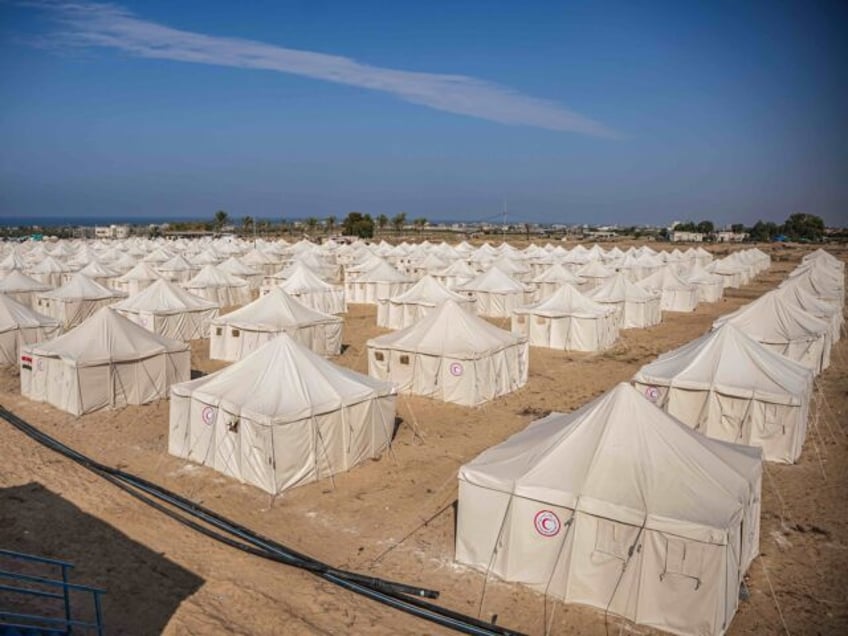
(104,25)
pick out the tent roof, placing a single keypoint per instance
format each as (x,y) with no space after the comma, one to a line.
(302,279)
(557,273)
(164,297)
(494,280)
(428,291)
(567,301)
(733,364)
(212,276)
(382,273)
(282,382)
(81,287)
(773,319)
(622,458)
(106,337)
(14,315)
(17,281)
(273,311)
(450,331)
(619,289)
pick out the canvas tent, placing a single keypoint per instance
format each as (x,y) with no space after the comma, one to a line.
(281,417)
(382,281)
(139,278)
(451,355)
(307,288)
(241,332)
(675,293)
(784,327)
(20,325)
(567,320)
(419,300)
(553,278)
(169,310)
(730,387)
(496,293)
(22,288)
(106,362)
(76,300)
(218,286)
(636,308)
(618,506)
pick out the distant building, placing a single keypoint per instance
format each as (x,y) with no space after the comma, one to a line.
(687,237)
(730,237)
(111,231)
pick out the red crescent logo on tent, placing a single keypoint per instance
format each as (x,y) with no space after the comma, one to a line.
(207,414)
(652,393)
(547,523)
(456,369)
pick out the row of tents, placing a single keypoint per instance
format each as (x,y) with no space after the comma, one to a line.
(646,502)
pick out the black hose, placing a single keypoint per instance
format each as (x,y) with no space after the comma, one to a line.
(399,596)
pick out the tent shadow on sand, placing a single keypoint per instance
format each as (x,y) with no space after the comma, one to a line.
(143,588)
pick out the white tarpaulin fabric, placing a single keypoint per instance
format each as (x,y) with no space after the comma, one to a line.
(619,506)
(567,320)
(419,300)
(19,326)
(76,300)
(106,362)
(22,288)
(170,311)
(281,417)
(730,387)
(676,293)
(497,293)
(241,332)
(637,308)
(307,288)
(451,355)
(219,286)
(382,281)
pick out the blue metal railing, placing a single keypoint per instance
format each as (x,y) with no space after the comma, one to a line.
(21,585)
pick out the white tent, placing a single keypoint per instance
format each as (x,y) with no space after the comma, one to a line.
(618,506)
(170,311)
(19,326)
(76,300)
(567,320)
(237,268)
(451,355)
(382,281)
(49,271)
(497,294)
(419,300)
(139,278)
(106,362)
(637,308)
(784,327)
(218,286)
(281,417)
(594,274)
(305,287)
(710,286)
(730,387)
(798,293)
(22,288)
(553,278)
(241,332)
(457,273)
(177,269)
(676,293)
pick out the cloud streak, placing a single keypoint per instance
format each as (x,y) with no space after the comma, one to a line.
(89,25)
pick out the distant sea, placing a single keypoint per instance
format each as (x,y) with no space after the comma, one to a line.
(89,221)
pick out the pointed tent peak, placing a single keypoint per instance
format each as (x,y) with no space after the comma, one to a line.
(236,267)
(96,269)
(558,273)
(458,268)
(283,381)
(163,296)
(620,455)
(81,287)
(302,279)
(664,278)
(382,273)
(620,289)
(142,270)
(771,319)
(732,362)
(274,310)
(177,263)
(49,265)
(107,336)
(428,290)
(14,315)
(213,276)
(13,260)
(449,330)
(595,269)
(494,280)
(510,264)
(17,281)
(567,301)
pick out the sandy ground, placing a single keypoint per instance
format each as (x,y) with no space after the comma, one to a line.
(394,517)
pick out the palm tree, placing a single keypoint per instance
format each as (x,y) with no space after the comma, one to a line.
(330,223)
(419,223)
(382,222)
(398,221)
(246,224)
(221,219)
(311,224)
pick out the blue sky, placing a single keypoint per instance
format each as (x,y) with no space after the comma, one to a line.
(572,112)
